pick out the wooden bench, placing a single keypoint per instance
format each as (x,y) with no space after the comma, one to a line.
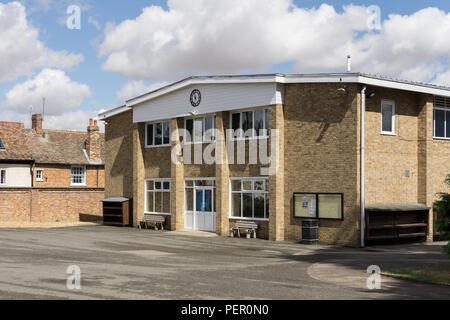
(250,228)
(157,220)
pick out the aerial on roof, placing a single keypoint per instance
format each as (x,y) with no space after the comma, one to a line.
(346,77)
(52,147)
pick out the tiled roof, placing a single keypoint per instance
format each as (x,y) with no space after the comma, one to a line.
(53,147)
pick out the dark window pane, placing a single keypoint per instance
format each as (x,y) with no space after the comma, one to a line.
(157,185)
(387,112)
(189,129)
(166,185)
(259,122)
(448,124)
(236,123)
(247,123)
(236,204)
(150,135)
(209,129)
(259,205)
(166,133)
(1,144)
(439,123)
(158,134)
(267,206)
(247,205)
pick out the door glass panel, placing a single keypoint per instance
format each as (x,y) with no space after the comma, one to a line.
(199,201)
(208,200)
(189,200)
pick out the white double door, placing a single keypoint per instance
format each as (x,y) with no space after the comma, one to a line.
(201,215)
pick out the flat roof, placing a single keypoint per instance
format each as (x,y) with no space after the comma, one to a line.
(346,77)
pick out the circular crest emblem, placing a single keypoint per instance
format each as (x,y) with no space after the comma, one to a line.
(196,98)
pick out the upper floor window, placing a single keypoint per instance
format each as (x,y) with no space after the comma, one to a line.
(78,176)
(2,177)
(2,146)
(387,117)
(201,129)
(250,124)
(39,175)
(157,134)
(442,117)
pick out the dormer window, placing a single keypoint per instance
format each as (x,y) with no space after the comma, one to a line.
(2,146)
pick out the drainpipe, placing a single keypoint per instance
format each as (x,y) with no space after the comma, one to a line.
(363,167)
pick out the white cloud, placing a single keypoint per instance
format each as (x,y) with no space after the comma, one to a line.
(94,22)
(136,88)
(229,36)
(61,93)
(21,51)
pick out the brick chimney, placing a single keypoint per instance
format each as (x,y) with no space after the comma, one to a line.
(36,123)
(93,141)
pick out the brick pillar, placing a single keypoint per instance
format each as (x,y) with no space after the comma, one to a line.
(425,138)
(276,180)
(138,173)
(222,179)
(177,178)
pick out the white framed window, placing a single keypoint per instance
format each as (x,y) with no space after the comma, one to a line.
(200,129)
(388,117)
(250,124)
(441,115)
(39,175)
(3,177)
(2,146)
(157,134)
(158,196)
(78,176)
(249,198)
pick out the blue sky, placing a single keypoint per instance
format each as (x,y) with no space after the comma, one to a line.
(105,79)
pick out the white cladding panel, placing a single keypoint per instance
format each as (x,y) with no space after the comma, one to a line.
(215,98)
(17,175)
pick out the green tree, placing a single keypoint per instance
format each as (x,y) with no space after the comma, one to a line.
(443,210)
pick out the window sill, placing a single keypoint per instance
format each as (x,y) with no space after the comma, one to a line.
(392,134)
(250,138)
(198,142)
(249,219)
(160,146)
(158,214)
(78,185)
(441,138)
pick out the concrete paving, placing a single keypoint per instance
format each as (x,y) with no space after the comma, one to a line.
(124,263)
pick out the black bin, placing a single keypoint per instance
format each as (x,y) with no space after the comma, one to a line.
(310,231)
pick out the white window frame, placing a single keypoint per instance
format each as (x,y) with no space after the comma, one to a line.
(392,104)
(241,137)
(162,191)
(204,140)
(4,183)
(253,192)
(83,183)
(443,107)
(41,178)
(152,145)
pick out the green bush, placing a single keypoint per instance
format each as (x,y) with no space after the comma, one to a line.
(443,210)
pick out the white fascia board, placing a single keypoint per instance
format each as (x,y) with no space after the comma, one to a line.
(112,112)
(392,84)
(198,81)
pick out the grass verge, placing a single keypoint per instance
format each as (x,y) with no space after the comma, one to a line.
(431,274)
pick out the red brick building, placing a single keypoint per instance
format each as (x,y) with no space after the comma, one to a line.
(50,175)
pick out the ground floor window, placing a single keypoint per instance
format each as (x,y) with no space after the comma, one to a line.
(319,205)
(157,199)
(249,198)
(2,177)
(441,117)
